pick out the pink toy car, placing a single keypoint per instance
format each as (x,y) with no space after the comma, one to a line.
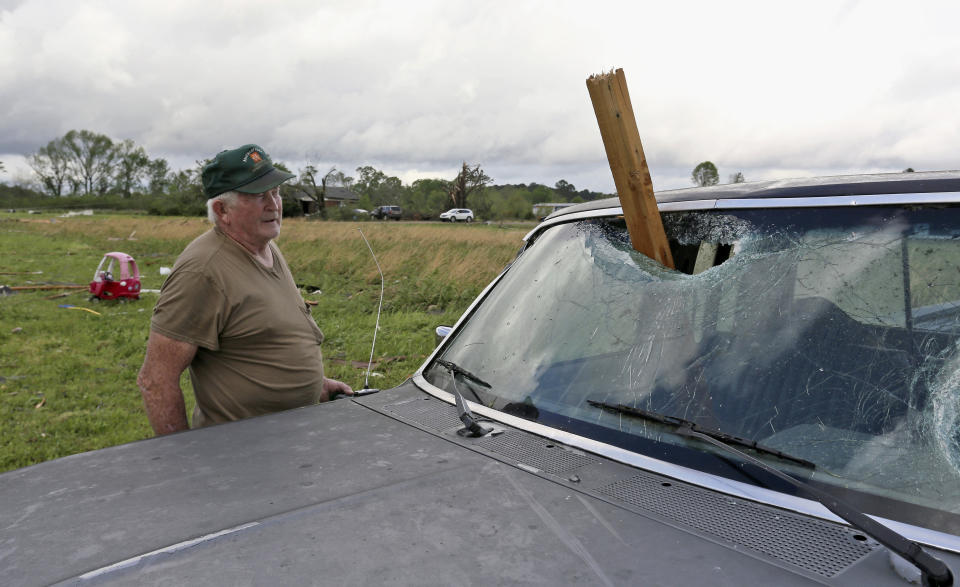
(109,285)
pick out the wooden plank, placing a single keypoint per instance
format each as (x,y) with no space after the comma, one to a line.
(621,139)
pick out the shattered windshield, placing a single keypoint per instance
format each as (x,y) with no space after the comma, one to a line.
(829,334)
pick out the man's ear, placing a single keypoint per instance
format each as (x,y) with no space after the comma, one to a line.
(219,208)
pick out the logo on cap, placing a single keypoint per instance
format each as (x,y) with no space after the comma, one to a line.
(253,154)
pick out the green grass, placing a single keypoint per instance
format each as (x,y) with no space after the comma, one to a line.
(68,376)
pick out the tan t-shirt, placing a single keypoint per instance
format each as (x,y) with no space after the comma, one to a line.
(259,348)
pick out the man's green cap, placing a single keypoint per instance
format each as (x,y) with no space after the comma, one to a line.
(247,169)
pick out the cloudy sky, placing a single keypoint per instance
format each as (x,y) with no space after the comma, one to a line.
(772,89)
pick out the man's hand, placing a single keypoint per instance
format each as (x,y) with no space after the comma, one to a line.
(332,388)
(159,382)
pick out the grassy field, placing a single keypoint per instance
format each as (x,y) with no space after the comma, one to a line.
(68,366)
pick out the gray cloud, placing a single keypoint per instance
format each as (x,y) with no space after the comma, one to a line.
(416,87)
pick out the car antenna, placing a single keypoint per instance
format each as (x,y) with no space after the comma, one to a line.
(366,379)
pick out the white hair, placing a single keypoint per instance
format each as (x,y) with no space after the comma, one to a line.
(228,199)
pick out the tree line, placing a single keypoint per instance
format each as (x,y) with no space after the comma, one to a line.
(101,172)
(89,169)
(706,173)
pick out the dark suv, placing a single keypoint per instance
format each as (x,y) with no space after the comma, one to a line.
(385,212)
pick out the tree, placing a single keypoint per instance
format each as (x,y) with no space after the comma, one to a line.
(378,188)
(539,193)
(131,169)
(339,178)
(51,165)
(308,183)
(738,178)
(705,174)
(85,162)
(426,197)
(90,159)
(186,185)
(565,190)
(468,181)
(158,176)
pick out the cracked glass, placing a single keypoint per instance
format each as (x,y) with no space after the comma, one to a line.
(829,334)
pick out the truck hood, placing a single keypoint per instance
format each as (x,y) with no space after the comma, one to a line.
(382,490)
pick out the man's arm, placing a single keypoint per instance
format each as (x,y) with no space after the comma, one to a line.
(159,382)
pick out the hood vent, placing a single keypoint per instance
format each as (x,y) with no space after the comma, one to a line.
(817,546)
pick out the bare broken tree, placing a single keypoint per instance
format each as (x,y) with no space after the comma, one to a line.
(308,183)
(468,181)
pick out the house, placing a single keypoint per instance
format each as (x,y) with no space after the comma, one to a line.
(336,197)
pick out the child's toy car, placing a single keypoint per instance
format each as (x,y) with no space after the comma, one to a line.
(108,285)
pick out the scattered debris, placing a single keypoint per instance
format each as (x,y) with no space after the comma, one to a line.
(164,271)
(72,307)
(44,287)
(16,330)
(21,272)
(76,213)
(6,291)
(40,404)
(311,289)
(117,238)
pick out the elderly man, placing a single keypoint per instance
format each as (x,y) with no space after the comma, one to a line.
(230,311)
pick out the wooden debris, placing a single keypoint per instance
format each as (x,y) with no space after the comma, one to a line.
(80,308)
(45,287)
(621,139)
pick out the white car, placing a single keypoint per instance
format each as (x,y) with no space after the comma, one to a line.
(457,214)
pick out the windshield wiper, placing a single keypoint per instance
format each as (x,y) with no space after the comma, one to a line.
(461,371)
(934,571)
(471,423)
(675,422)
(456,369)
